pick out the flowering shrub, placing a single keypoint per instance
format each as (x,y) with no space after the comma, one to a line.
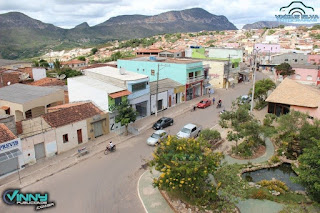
(275,185)
(260,194)
(185,165)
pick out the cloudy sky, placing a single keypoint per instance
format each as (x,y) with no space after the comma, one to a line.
(69,13)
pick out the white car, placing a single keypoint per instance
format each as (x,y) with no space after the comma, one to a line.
(189,131)
(156,137)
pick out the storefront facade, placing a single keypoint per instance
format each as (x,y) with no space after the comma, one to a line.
(11,158)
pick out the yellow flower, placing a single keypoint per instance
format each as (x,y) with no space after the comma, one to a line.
(180,185)
(173,187)
(189,179)
(181,181)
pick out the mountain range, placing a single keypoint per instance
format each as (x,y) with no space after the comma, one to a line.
(25,37)
(270,24)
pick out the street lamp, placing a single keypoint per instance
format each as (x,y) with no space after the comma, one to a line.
(163,66)
(254,79)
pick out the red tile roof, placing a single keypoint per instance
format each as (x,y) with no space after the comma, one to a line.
(120,94)
(4,107)
(48,82)
(71,114)
(5,134)
(149,51)
(75,61)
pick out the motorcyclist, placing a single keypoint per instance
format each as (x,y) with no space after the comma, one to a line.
(111,145)
(219,103)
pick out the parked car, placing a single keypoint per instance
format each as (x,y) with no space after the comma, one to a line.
(204,103)
(162,123)
(156,137)
(245,99)
(189,131)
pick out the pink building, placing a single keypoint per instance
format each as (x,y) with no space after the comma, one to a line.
(306,74)
(272,48)
(291,95)
(232,45)
(314,59)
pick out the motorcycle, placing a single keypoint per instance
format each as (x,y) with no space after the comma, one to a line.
(107,150)
(219,105)
(193,108)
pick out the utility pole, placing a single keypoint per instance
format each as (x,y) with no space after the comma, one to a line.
(157,90)
(228,72)
(254,81)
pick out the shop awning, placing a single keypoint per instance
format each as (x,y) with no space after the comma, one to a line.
(206,86)
(9,155)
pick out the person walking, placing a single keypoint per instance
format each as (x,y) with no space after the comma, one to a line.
(209,92)
(213,100)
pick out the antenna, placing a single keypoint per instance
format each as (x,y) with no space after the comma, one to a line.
(8,83)
(122,71)
(24,76)
(61,77)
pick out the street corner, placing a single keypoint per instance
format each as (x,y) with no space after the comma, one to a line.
(151,198)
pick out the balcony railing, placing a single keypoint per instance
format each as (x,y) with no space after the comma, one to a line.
(195,79)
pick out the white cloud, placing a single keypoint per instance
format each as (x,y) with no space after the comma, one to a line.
(69,13)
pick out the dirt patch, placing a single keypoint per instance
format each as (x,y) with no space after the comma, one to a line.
(257,153)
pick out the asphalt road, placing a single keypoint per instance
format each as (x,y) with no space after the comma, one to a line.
(109,183)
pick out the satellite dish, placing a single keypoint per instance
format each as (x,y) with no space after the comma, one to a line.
(8,83)
(122,71)
(61,77)
(24,76)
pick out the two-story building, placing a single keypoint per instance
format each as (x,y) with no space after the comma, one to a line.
(74,64)
(314,59)
(235,54)
(26,101)
(306,74)
(290,58)
(186,72)
(271,48)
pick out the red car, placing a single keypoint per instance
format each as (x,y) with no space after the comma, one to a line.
(204,103)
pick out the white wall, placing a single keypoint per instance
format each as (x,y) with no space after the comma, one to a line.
(82,92)
(163,96)
(71,130)
(142,99)
(38,73)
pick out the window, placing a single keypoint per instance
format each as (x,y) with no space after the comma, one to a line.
(286,59)
(194,129)
(7,111)
(143,70)
(28,114)
(152,72)
(139,86)
(65,138)
(295,60)
(309,78)
(298,76)
(117,101)
(137,69)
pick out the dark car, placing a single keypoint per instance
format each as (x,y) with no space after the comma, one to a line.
(162,123)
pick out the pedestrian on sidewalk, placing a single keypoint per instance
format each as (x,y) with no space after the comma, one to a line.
(213,100)
(209,92)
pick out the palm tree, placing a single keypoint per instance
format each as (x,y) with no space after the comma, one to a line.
(57,65)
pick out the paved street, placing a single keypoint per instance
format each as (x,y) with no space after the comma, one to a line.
(109,183)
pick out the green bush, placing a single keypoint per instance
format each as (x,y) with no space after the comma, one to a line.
(275,159)
(260,194)
(212,136)
(274,185)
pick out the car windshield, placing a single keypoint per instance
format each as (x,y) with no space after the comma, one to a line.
(201,102)
(156,136)
(185,130)
(159,121)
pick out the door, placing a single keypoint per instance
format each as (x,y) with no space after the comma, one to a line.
(9,166)
(39,150)
(97,128)
(159,105)
(79,134)
(169,100)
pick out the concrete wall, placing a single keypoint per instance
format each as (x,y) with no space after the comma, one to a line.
(71,130)
(28,143)
(37,111)
(161,96)
(34,126)
(38,73)
(314,112)
(9,121)
(314,59)
(82,92)
(291,58)
(141,99)
(223,53)
(216,73)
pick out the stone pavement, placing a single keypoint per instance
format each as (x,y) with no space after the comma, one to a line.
(261,206)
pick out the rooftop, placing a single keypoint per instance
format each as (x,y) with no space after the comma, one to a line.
(75,61)
(5,62)
(5,134)
(292,93)
(115,73)
(120,94)
(163,85)
(151,50)
(48,82)
(164,60)
(109,88)
(71,114)
(22,93)
(306,66)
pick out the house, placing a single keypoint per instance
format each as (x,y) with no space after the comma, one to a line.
(172,54)
(63,128)
(8,77)
(109,86)
(272,39)
(306,74)
(314,59)
(151,51)
(290,58)
(272,48)
(26,101)
(74,64)
(170,93)
(187,72)
(10,151)
(291,95)
(13,64)
(236,54)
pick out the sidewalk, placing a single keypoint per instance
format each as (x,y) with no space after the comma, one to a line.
(50,166)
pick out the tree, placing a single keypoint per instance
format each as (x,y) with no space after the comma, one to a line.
(93,51)
(212,136)
(309,172)
(43,63)
(35,63)
(284,69)
(281,26)
(116,56)
(185,165)
(261,91)
(126,114)
(57,65)
(81,58)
